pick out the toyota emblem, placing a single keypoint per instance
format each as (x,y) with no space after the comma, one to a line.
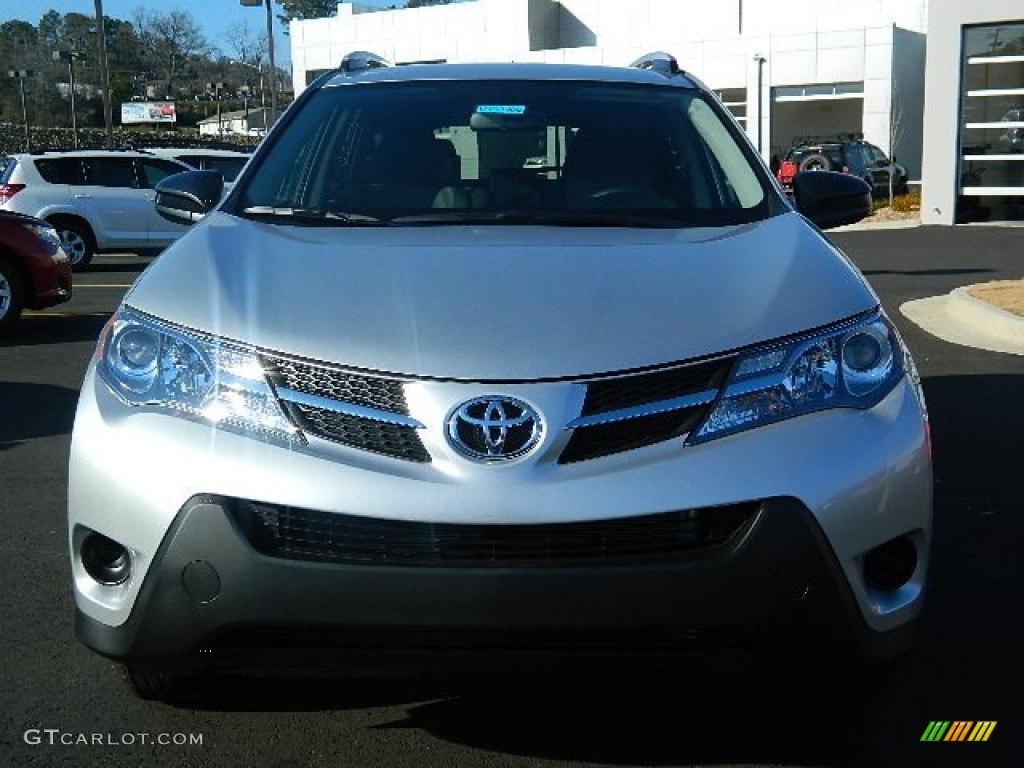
(494,428)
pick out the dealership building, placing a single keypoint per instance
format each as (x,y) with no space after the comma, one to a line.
(787,69)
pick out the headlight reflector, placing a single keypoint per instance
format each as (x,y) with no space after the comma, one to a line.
(852,367)
(148,363)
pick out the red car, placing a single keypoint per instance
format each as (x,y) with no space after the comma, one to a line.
(34,272)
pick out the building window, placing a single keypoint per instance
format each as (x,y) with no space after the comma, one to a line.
(991,180)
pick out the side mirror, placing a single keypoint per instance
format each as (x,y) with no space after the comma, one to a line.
(187,197)
(831,199)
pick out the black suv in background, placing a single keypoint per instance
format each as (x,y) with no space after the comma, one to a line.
(847,154)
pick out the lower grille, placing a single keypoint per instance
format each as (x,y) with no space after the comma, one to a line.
(302,534)
(393,440)
(472,639)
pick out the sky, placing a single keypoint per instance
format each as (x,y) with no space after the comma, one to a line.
(214,16)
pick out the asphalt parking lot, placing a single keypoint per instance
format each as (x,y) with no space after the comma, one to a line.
(970,666)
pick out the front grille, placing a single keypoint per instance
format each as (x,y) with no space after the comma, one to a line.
(361,431)
(334,384)
(607,396)
(629,434)
(393,440)
(303,534)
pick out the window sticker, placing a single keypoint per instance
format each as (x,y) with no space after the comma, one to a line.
(501,109)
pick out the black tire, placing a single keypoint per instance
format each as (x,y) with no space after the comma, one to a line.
(12,295)
(77,241)
(815,162)
(159,684)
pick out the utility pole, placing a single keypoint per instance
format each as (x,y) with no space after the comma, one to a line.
(101,36)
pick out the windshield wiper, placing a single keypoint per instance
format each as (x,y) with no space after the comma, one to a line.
(314,216)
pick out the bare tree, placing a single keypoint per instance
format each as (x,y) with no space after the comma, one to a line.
(897,127)
(246,44)
(172,39)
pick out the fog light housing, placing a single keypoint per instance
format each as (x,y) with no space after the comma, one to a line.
(106,561)
(889,566)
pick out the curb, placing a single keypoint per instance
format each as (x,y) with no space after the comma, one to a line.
(867,224)
(959,318)
(993,319)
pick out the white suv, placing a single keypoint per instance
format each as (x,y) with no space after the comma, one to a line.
(97,200)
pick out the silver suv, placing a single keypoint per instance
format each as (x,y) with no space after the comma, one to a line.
(97,200)
(410,394)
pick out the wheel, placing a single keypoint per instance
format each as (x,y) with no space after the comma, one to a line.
(815,163)
(77,242)
(12,295)
(159,684)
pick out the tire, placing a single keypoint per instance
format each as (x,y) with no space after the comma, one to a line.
(815,163)
(12,295)
(158,684)
(77,241)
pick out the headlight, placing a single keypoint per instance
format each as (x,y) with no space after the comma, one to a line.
(850,367)
(148,363)
(44,232)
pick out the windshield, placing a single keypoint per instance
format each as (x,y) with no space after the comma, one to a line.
(554,152)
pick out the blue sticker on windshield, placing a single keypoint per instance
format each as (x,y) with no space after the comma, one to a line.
(501,109)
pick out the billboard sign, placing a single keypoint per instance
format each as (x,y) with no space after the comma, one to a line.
(148,112)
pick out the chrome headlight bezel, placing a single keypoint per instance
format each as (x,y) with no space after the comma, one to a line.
(851,365)
(148,363)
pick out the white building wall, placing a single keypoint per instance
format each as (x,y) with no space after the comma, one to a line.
(803,41)
(942,97)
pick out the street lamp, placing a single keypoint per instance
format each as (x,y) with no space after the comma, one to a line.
(259,69)
(69,57)
(216,88)
(21,74)
(270,52)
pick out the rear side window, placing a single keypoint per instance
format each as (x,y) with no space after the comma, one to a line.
(153,171)
(111,172)
(61,170)
(7,170)
(229,167)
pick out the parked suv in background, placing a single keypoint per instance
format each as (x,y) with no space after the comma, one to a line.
(410,394)
(98,200)
(228,161)
(853,156)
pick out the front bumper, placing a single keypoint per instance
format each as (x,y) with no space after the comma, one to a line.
(829,487)
(212,601)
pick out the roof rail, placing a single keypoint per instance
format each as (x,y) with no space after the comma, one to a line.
(357,61)
(660,62)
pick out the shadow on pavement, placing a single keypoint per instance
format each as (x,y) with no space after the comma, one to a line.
(34,410)
(43,328)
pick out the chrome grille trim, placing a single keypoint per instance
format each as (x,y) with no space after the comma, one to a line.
(349,409)
(623,414)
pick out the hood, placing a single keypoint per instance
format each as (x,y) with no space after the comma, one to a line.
(501,303)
